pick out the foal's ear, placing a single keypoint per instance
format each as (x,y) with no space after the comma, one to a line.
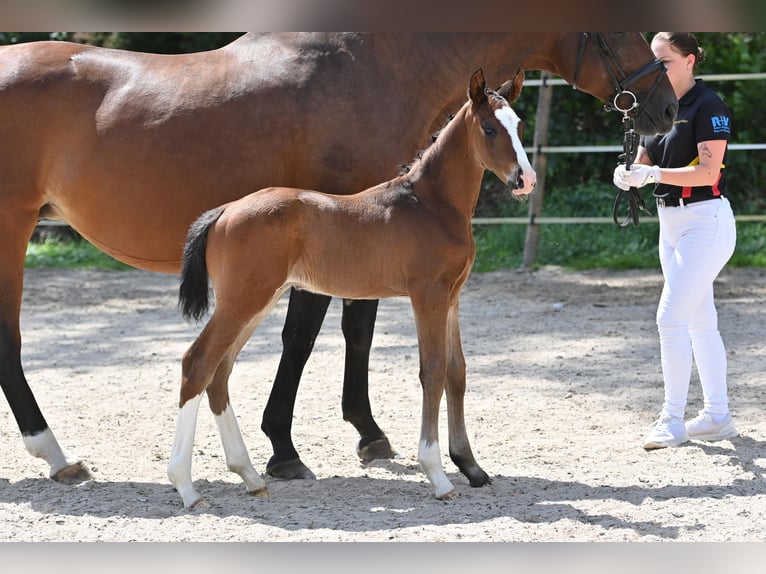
(511,89)
(477,88)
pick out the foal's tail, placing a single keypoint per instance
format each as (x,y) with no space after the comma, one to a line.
(193,294)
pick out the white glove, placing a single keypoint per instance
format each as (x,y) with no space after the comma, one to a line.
(638,176)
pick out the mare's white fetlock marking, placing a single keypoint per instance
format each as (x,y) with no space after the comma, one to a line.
(430,459)
(179,467)
(45,446)
(237,459)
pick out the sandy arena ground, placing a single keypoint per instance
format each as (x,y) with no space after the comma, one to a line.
(564,376)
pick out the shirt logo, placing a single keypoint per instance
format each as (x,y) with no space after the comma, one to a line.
(720,124)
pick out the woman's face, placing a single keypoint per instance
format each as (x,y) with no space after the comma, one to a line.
(680,67)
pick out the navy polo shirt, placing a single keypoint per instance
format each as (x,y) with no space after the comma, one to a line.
(702,116)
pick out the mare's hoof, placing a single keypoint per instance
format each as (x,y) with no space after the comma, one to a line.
(377,449)
(289,470)
(73,474)
(480,479)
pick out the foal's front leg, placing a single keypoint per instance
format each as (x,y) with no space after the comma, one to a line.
(431,320)
(459,447)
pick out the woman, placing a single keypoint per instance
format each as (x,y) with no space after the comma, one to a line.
(697,238)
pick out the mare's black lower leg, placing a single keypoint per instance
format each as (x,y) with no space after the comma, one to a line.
(34,429)
(305,313)
(16,389)
(358,325)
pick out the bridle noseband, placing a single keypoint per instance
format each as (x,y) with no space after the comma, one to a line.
(620,80)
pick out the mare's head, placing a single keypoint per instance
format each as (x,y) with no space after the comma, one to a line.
(496,131)
(620,69)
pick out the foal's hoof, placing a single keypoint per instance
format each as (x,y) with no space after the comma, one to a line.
(289,470)
(260,492)
(72,474)
(374,450)
(199,504)
(448,496)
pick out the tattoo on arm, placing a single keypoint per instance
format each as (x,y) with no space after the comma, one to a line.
(705,150)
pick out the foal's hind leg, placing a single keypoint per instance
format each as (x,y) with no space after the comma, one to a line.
(237,458)
(459,446)
(179,467)
(358,324)
(199,366)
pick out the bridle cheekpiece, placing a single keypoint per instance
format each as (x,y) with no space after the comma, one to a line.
(620,80)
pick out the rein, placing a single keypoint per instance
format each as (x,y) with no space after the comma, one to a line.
(635,202)
(631,137)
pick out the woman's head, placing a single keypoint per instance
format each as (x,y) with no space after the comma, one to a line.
(680,52)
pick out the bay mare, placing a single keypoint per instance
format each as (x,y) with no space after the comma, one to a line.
(408,236)
(130,148)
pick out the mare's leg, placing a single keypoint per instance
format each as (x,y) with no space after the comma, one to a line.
(431,309)
(16,226)
(358,324)
(305,313)
(459,446)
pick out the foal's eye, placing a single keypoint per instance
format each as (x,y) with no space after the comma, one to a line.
(489,131)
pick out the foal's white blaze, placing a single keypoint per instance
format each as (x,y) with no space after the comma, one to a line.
(179,467)
(431,461)
(510,121)
(237,459)
(45,446)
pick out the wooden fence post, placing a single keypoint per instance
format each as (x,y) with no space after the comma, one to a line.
(539,162)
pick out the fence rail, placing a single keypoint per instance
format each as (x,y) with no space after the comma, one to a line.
(570,220)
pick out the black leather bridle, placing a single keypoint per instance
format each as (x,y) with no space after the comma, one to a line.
(622,82)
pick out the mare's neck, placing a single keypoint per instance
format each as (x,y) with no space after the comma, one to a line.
(449,174)
(444,61)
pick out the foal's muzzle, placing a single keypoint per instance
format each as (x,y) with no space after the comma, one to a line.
(520,180)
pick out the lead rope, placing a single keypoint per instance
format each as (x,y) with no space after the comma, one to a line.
(630,142)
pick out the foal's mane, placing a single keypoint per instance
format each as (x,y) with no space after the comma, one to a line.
(405,168)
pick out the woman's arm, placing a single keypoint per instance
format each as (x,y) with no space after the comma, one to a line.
(706,172)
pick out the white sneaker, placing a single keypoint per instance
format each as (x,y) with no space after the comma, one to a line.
(703,427)
(666,431)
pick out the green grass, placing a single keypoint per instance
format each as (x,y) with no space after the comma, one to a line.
(74,254)
(598,245)
(572,246)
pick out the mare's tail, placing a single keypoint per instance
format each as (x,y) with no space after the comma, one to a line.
(193,294)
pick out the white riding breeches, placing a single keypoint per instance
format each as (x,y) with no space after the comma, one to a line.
(695,243)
